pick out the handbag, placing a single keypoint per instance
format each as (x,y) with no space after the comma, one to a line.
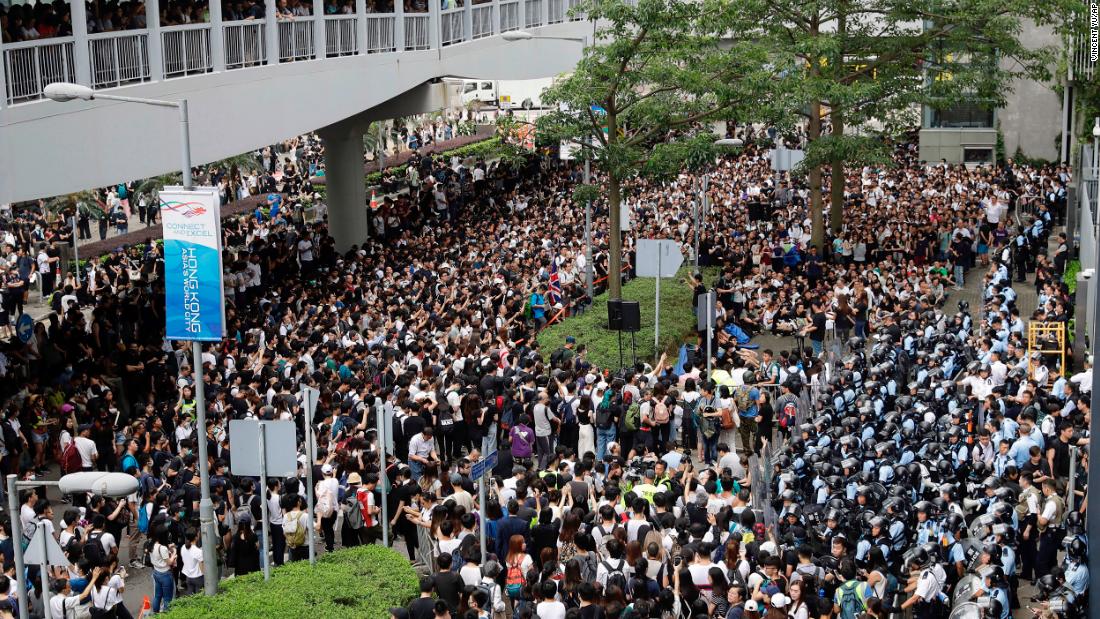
(727,420)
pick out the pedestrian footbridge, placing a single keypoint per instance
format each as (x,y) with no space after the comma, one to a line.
(252,83)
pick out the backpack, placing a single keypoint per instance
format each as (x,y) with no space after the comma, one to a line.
(514,579)
(353,513)
(605,536)
(566,412)
(93,550)
(70,458)
(660,413)
(294,530)
(615,577)
(787,415)
(851,600)
(741,399)
(326,503)
(556,357)
(631,418)
(143,518)
(603,416)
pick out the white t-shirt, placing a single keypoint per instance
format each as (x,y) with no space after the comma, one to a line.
(305,250)
(550,610)
(88,451)
(192,561)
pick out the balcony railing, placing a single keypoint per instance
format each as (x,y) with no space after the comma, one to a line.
(574,15)
(417,32)
(556,11)
(245,44)
(186,50)
(30,66)
(296,39)
(482,21)
(117,60)
(113,59)
(509,15)
(452,26)
(341,38)
(1082,67)
(380,33)
(534,13)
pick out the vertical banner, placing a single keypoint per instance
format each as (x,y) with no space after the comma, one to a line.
(194,297)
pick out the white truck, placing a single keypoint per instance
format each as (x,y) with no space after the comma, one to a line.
(505,94)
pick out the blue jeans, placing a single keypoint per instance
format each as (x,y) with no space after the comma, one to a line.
(603,437)
(818,345)
(959,272)
(164,589)
(417,469)
(710,448)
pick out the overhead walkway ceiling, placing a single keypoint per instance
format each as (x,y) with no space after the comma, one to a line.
(324,75)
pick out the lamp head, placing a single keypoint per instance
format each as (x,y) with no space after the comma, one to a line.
(1096,128)
(517,35)
(735,142)
(65,91)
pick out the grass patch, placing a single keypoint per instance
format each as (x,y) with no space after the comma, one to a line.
(590,328)
(358,582)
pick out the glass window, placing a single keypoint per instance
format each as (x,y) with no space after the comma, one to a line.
(962,116)
(486,85)
(470,87)
(978,155)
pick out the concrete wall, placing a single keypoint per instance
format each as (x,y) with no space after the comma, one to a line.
(949,144)
(1032,116)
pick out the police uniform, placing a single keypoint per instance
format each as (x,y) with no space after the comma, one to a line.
(929,588)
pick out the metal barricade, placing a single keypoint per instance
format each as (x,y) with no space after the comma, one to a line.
(341,38)
(452,22)
(509,15)
(118,58)
(245,44)
(186,50)
(32,65)
(555,11)
(416,32)
(380,33)
(534,14)
(296,39)
(482,21)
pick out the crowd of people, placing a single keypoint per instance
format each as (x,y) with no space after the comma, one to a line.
(909,457)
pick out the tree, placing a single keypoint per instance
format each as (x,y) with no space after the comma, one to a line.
(865,66)
(639,98)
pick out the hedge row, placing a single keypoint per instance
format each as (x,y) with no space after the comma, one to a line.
(358,582)
(590,328)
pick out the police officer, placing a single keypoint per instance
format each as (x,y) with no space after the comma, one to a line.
(1050,528)
(993,586)
(926,592)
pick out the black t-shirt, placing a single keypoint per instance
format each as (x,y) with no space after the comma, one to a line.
(414,425)
(448,586)
(592,611)
(1061,458)
(818,333)
(422,608)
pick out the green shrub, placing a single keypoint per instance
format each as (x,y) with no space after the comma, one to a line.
(1070,277)
(590,328)
(359,582)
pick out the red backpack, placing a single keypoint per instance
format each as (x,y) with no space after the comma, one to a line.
(70,458)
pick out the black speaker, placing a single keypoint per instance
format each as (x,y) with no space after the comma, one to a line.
(632,317)
(615,315)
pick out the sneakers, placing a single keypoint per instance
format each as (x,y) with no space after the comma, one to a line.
(137,565)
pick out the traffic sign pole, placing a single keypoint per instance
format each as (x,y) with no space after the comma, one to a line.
(657,303)
(483,500)
(308,402)
(17,547)
(382,478)
(263,504)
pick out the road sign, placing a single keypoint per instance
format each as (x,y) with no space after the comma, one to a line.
(483,466)
(54,555)
(658,258)
(706,301)
(784,159)
(25,328)
(281,448)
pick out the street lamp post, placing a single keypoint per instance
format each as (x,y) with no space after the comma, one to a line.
(102,484)
(63,92)
(589,269)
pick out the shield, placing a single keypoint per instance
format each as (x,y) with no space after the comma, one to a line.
(965,589)
(970,610)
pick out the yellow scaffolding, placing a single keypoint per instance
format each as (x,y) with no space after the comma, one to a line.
(1049,340)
